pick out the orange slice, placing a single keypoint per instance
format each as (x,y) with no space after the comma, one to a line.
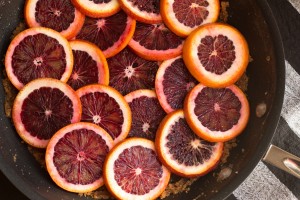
(172,83)
(146,11)
(110,34)
(216,54)
(146,113)
(59,15)
(75,156)
(132,170)
(216,114)
(38,53)
(97,8)
(106,107)
(129,72)
(42,107)
(90,65)
(183,16)
(182,151)
(155,42)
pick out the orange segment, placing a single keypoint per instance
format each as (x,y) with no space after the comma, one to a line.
(38,53)
(216,54)
(97,8)
(146,11)
(42,107)
(75,156)
(90,65)
(182,151)
(183,16)
(59,15)
(216,114)
(106,107)
(132,170)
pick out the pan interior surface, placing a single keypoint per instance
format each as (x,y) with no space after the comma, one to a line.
(266,74)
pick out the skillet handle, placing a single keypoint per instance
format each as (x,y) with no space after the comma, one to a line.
(283,160)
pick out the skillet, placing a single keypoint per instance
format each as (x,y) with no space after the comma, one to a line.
(266,85)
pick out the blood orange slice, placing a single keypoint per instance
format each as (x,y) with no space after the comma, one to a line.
(43,107)
(106,107)
(38,53)
(216,54)
(216,114)
(146,11)
(155,42)
(75,156)
(182,151)
(110,34)
(97,8)
(146,113)
(90,65)
(129,72)
(59,15)
(183,16)
(172,83)
(132,170)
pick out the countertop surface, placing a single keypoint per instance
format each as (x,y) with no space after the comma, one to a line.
(265,182)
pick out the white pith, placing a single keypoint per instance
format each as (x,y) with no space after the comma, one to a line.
(139,93)
(142,14)
(153,53)
(101,8)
